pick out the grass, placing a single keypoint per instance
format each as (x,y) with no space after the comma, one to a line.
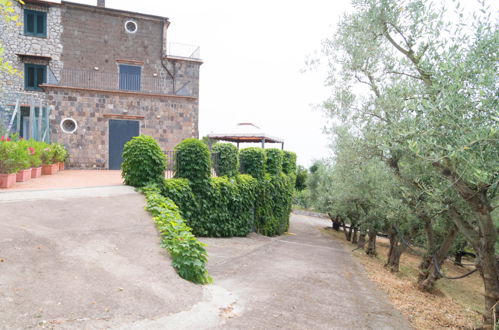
(454,304)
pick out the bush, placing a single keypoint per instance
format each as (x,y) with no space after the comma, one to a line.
(228,162)
(12,157)
(188,254)
(274,161)
(273,204)
(35,152)
(252,162)
(60,153)
(143,162)
(193,162)
(224,208)
(289,162)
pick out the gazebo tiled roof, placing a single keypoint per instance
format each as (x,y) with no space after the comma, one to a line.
(246,133)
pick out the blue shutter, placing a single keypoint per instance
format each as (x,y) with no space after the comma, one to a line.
(34,75)
(130,77)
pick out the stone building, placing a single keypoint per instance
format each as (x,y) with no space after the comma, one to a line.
(103,76)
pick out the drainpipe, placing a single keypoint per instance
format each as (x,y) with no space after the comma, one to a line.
(163,54)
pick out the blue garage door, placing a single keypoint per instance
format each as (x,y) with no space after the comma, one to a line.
(120,132)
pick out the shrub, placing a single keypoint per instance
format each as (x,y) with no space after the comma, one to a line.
(60,153)
(189,257)
(289,162)
(273,204)
(47,154)
(12,157)
(35,152)
(143,162)
(274,161)
(252,162)
(193,162)
(228,162)
(224,208)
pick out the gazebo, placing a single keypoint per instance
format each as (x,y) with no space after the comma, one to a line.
(246,133)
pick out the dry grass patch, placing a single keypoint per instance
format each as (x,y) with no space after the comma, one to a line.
(455,304)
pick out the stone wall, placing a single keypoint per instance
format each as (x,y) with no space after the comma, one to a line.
(15,42)
(168,119)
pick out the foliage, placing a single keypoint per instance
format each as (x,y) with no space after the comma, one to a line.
(301,178)
(60,153)
(273,204)
(274,159)
(429,113)
(188,254)
(7,13)
(12,157)
(143,162)
(223,209)
(228,162)
(252,162)
(289,162)
(193,162)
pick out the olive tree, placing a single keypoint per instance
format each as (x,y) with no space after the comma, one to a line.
(431,95)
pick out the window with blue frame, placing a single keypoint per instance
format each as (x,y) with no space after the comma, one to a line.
(130,77)
(35,23)
(34,75)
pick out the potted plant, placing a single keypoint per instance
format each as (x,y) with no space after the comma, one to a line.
(60,155)
(35,151)
(9,162)
(47,156)
(24,172)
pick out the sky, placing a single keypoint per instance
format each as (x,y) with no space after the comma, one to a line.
(254,55)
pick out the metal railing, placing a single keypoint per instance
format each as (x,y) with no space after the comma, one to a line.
(170,163)
(116,82)
(176,49)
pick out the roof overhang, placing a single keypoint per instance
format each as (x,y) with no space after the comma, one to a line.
(245,137)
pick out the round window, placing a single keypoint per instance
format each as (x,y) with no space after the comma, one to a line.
(131,26)
(69,125)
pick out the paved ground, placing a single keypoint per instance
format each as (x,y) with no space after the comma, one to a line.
(89,258)
(301,281)
(70,179)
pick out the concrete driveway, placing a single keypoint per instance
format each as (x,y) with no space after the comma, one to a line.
(89,258)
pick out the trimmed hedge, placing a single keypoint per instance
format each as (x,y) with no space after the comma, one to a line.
(193,162)
(228,159)
(143,162)
(252,162)
(223,209)
(188,254)
(289,162)
(274,161)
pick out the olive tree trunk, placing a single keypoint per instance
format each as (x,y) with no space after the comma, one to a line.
(371,244)
(394,253)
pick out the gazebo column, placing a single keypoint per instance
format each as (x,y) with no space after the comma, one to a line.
(237,145)
(282,145)
(263,143)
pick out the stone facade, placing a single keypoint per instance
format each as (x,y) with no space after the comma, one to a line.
(168,119)
(15,42)
(86,45)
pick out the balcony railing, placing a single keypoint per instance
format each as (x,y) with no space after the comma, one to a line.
(176,49)
(115,82)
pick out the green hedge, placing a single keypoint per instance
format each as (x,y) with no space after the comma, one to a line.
(193,162)
(289,162)
(228,162)
(188,254)
(223,209)
(274,161)
(273,204)
(252,162)
(143,162)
